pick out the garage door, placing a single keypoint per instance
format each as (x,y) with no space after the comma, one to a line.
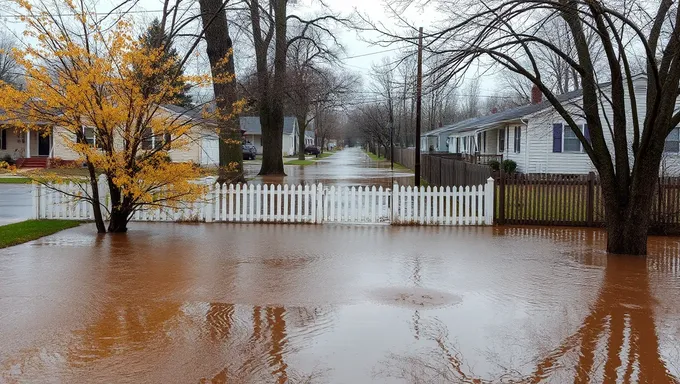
(210,151)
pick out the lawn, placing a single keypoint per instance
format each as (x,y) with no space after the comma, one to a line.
(300,162)
(15,180)
(18,233)
(375,157)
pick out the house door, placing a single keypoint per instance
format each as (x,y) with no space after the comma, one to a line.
(44,145)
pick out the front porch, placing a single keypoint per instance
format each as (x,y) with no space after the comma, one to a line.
(27,149)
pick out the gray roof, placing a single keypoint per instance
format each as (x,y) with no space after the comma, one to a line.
(511,114)
(193,113)
(251,125)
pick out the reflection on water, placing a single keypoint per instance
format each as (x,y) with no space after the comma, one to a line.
(616,342)
(319,304)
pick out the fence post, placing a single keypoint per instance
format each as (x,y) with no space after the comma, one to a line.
(501,198)
(208,208)
(590,207)
(393,199)
(489,191)
(320,196)
(102,187)
(36,201)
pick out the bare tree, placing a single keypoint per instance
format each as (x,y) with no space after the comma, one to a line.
(627,125)
(220,49)
(10,71)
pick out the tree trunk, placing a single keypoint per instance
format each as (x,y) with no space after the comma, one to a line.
(219,47)
(271,107)
(119,220)
(96,207)
(120,210)
(302,126)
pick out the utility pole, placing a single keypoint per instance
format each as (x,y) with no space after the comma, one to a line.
(419,97)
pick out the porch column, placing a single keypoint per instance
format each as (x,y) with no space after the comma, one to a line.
(28,144)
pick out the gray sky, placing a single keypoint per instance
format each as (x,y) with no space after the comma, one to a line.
(360,54)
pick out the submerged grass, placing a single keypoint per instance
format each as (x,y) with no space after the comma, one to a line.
(18,233)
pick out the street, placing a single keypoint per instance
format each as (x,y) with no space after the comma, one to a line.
(15,203)
(349,167)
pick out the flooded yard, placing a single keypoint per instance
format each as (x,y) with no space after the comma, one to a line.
(221,303)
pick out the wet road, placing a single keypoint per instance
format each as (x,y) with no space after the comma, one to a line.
(349,167)
(15,203)
(222,303)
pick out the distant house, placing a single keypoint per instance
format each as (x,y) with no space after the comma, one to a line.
(35,149)
(252,129)
(536,137)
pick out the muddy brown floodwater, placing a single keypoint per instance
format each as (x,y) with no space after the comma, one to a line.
(222,303)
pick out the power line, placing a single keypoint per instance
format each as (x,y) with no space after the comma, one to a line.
(372,53)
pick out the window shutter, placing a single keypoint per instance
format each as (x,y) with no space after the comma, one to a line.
(586,133)
(168,140)
(557,137)
(3,139)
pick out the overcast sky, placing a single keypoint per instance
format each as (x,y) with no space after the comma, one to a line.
(359,54)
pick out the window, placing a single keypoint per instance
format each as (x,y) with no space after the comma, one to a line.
(479,142)
(672,143)
(151,141)
(501,140)
(167,139)
(465,144)
(457,144)
(518,139)
(571,142)
(87,136)
(3,139)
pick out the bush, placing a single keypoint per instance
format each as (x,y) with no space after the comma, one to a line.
(7,159)
(509,166)
(495,165)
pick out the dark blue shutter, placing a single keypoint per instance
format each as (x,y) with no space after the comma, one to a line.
(3,140)
(586,133)
(557,137)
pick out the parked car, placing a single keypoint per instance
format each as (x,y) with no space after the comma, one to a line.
(312,150)
(249,151)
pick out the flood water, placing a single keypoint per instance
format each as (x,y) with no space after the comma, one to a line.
(222,303)
(349,167)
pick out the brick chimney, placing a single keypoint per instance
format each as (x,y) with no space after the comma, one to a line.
(441,124)
(536,95)
(494,110)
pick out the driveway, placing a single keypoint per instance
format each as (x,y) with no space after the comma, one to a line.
(349,167)
(15,203)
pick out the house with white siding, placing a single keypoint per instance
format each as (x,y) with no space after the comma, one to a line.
(33,148)
(539,141)
(252,132)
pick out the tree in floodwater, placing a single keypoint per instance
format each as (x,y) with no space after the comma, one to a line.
(627,125)
(86,86)
(220,49)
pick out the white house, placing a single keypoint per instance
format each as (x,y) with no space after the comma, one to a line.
(252,132)
(35,149)
(539,141)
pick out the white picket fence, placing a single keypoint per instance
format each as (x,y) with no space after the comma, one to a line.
(294,204)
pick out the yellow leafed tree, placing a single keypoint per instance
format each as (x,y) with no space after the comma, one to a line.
(101,85)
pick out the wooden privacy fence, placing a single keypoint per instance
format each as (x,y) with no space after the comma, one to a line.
(446,170)
(574,200)
(293,204)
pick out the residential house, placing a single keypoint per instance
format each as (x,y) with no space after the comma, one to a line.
(252,129)
(35,149)
(436,140)
(539,141)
